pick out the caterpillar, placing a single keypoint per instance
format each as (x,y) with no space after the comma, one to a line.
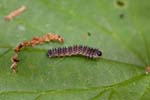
(88,52)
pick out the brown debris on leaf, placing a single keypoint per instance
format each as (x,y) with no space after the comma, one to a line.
(147,69)
(35,41)
(15,13)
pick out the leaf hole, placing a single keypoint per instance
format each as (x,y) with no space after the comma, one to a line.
(121,16)
(89,34)
(120,3)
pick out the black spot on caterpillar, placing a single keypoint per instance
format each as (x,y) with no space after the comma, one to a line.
(75,50)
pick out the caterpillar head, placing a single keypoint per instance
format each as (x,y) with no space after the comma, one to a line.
(97,53)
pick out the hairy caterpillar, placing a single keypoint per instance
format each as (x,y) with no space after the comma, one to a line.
(75,50)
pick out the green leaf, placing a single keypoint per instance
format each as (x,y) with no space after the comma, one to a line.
(120,28)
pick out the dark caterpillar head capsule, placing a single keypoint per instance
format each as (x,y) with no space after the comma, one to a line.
(95,53)
(98,53)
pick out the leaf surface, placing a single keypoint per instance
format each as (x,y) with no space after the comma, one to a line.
(120,28)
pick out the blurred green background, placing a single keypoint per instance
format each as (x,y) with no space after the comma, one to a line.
(120,28)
